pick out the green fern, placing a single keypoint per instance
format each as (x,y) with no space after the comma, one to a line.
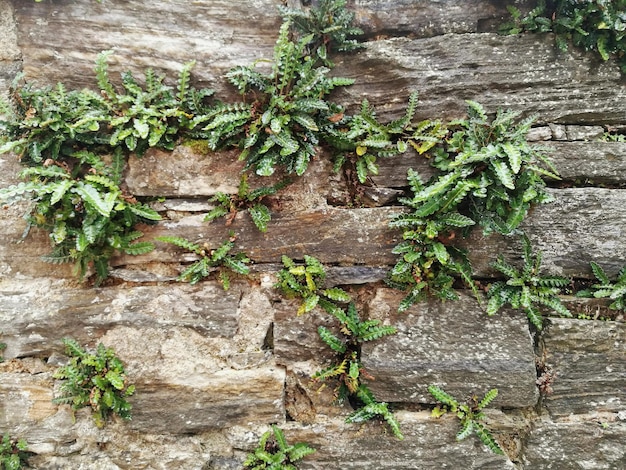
(469,414)
(330,23)
(526,289)
(594,25)
(605,288)
(210,260)
(273,452)
(13,453)
(97,380)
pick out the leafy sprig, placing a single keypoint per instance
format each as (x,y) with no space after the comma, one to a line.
(274,453)
(470,414)
(245,199)
(13,453)
(94,379)
(594,25)
(218,259)
(330,23)
(306,281)
(365,139)
(289,109)
(527,289)
(605,288)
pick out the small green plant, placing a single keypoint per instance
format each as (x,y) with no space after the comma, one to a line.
(330,23)
(596,25)
(273,452)
(230,204)
(470,414)
(94,379)
(348,369)
(306,282)
(3,346)
(605,288)
(13,453)
(527,289)
(366,140)
(86,212)
(75,145)
(210,260)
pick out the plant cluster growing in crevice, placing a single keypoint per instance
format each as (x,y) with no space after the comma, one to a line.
(219,259)
(13,453)
(305,281)
(95,379)
(470,414)
(607,289)
(489,175)
(527,289)
(594,25)
(74,146)
(274,453)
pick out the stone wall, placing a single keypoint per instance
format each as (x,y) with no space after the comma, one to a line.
(213,369)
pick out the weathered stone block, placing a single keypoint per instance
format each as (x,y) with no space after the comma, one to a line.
(454,345)
(60,41)
(576,445)
(524,72)
(37,314)
(589,360)
(372,446)
(213,401)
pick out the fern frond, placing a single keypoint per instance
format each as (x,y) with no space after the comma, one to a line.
(485,436)
(442,396)
(102,75)
(331,340)
(488,398)
(181,243)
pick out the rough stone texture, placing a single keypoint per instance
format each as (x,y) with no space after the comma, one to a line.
(214,368)
(577,350)
(498,354)
(524,73)
(49,312)
(597,444)
(429,18)
(370,445)
(60,40)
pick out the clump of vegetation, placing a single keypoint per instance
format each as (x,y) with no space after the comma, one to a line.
(96,379)
(594,25)
(470,414)
(527,289)
(13,453)
(306,282)
(366,139)
(274,453)
(75,144)
(210,260)
(330,25)
(489,175)
(607,289)
(245,199)
(289,109)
